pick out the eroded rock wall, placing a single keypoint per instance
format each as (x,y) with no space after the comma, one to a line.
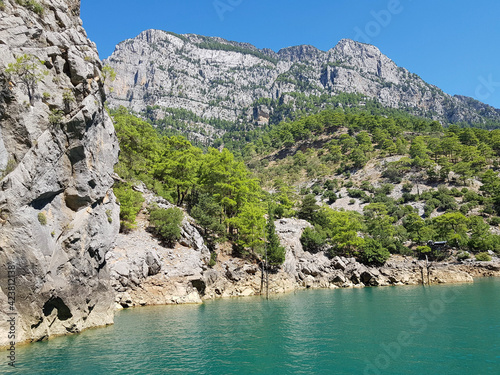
(58,214)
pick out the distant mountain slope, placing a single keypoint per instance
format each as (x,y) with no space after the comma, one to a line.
(216,78)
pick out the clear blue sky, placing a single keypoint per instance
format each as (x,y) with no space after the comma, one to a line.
(454,44)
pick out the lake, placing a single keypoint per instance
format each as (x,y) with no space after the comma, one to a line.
(442,329)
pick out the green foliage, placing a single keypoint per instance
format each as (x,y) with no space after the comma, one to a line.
(309,208)
(11,165)
(275,252)
(213,259)
(167,224)
(68,96)
(483,257)
(32,5)
(209,215)
(42,219)
(313,240)
(109,216)
(56,117)
(451,227)
(214,45)
(373,253)
(2,5)
(108,74)
(29,71)
(463,255)
(250,224)
(217,189)
(130,205)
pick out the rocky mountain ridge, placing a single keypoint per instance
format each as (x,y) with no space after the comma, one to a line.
(215,78)
(58,214)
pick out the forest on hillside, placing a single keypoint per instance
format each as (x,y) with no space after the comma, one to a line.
(299,168)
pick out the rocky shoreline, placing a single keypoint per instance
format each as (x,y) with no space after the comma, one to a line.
(143,272)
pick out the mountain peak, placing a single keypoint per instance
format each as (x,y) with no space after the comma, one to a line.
(217,78)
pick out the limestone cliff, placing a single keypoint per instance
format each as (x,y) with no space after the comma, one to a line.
(216,78)
(58,215)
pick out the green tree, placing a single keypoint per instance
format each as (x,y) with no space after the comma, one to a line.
(313,239)
(373,253)
(309,208)
(29,71)
(167,224)
(451,227)
(250,224)
(178,166)
(275,252)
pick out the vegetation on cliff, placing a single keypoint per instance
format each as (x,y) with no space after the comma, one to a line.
(433,183)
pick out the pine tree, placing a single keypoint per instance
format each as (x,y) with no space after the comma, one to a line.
(275,252)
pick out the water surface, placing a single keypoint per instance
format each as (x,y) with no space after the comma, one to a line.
(443,329)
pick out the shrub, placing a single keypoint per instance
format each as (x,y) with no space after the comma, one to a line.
(312,240)
(373,253)
(167,223)
(494,221)
(331,196)
(130,205)
(407,187)
(11,165)
(213,259)
(109,216)
(352,201)
(317,190)
(32,5)
(463,255)
(483,257)
(2,5)
(42,219)
(56,117)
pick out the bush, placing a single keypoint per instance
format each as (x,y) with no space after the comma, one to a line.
(167,223)
(312,240)
(331,196)
(213,259)
(495,221)
(373,253)
(2,5)
(463,255)
(42,218)
(32,5)
(407,187)
(483,257)
(130,205)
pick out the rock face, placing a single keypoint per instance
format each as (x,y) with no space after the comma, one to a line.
(144,272)
(215,78)
(57,151)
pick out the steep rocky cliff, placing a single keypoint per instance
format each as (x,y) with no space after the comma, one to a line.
(215,78)
(57,151)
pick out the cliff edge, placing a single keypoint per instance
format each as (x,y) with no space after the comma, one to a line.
(58,214)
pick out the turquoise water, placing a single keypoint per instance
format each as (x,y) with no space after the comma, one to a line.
(392,330)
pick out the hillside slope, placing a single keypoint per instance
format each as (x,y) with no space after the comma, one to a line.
(218,79)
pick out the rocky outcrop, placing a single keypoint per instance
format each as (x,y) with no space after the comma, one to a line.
(144,272)
(57,151)
(215,78)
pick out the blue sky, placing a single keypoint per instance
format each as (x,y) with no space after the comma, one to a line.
(453,44)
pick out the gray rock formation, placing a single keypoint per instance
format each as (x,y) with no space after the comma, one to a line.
(215,78)
(57,151)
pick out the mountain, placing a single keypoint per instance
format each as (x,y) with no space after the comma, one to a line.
(219,79)
(58,214)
